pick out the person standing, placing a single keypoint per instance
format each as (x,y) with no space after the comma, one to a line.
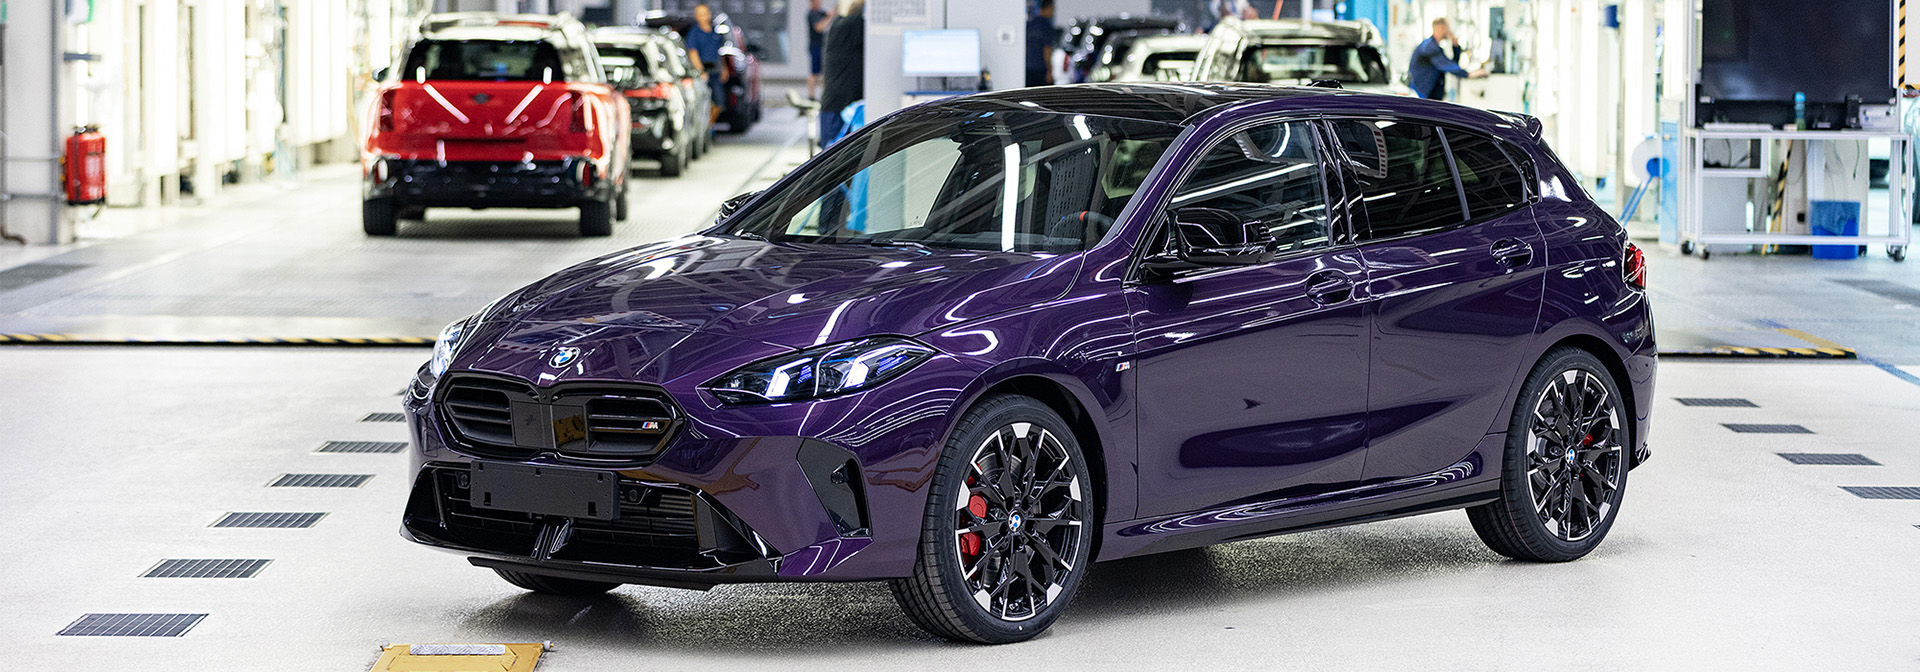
(818,20)
(843,68)
(1427,73)
(704,43)
(1041,36)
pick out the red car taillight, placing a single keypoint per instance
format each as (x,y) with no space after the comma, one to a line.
(579,103)
(660,90)
(1636,267)
(386,112)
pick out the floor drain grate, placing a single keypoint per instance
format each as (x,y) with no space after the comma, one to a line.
(1767,429)
(320,480)
(1844,459)
(132,625)
(269,519)
(206,568)
(1716,402)
(384,417)
(362,447)
(1882,491)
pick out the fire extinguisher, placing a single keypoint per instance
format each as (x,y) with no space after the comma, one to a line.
(86,166)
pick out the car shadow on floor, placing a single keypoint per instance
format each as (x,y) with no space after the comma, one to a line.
(448,223)
(788,618)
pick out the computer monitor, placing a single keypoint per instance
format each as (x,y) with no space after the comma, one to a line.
(940,53)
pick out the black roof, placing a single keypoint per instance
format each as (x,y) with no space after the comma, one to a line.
(1169,102)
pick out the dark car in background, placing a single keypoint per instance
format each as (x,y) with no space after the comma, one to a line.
(671,122)
(740,63)
(1293,51)
(988,340)
(1088,37)
(495,110)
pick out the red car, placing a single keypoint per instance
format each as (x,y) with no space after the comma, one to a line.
(496,110)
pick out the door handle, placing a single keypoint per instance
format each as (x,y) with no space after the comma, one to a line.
(1512,252)
(1329,287)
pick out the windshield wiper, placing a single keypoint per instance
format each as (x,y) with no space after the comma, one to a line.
(895,242)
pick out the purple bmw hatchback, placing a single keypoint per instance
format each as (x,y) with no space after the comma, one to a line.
(988,341)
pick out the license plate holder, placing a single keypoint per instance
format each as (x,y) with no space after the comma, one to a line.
(553,491)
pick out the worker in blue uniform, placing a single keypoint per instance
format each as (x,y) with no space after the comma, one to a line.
(1427,73)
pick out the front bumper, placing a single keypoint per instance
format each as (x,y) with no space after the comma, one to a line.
(704,510)
(563,183)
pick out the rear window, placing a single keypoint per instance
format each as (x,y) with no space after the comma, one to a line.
(484,60)
(1169,66)
(636,58)
(1307,62)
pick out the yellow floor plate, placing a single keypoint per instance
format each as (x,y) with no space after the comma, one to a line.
(459,657)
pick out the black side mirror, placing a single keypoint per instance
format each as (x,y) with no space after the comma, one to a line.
(1214,237)
(732,205)
(381,74)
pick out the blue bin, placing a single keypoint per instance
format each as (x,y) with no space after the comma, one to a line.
(1835,218)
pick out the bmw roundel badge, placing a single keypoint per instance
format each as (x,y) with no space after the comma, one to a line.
(563,357)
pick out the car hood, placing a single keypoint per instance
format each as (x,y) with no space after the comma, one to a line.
(641,302)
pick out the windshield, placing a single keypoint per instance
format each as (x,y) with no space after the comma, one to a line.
(635,59)
(1306,62)
(1013,181)
(485,60)
(1169,66)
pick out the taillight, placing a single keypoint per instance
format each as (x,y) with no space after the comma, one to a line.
(386,112)
(579,103)
(1636,270)
(660,90)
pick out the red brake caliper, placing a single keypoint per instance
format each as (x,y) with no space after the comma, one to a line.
(971,543)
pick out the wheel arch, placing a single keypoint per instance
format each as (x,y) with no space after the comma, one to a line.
(1616,367)
(1070,398)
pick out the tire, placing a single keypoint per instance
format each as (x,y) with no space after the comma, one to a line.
(1541,433)
(672,164)
(620,204)
(694,148)
(554,585)
(596,219)
(968,488)
(378,217)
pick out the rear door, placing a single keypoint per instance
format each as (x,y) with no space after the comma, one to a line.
(1252,381)
(1456,277)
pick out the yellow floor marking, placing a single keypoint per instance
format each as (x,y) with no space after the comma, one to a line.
(1810,338)
(459,657)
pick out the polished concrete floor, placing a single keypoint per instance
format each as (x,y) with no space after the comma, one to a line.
(1726,555)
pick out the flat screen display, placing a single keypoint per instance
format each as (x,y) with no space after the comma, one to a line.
(940,53)
(1768,50)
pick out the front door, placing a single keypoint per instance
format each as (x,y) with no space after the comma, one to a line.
(1456,268)
(1252,381)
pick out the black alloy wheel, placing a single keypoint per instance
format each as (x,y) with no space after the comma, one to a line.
(1566,463)
(1008,530)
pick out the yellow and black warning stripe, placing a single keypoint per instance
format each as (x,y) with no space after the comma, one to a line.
(334,341)
(1739,351)
(1900,49)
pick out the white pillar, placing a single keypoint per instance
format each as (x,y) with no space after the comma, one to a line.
(34,207)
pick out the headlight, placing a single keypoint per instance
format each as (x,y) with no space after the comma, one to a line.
(820,372)
(446,345)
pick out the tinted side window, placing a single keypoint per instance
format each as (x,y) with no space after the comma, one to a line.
(1405,185)
(1491,181)
(1269,174)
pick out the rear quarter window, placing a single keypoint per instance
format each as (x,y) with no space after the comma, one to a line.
(1489,178)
